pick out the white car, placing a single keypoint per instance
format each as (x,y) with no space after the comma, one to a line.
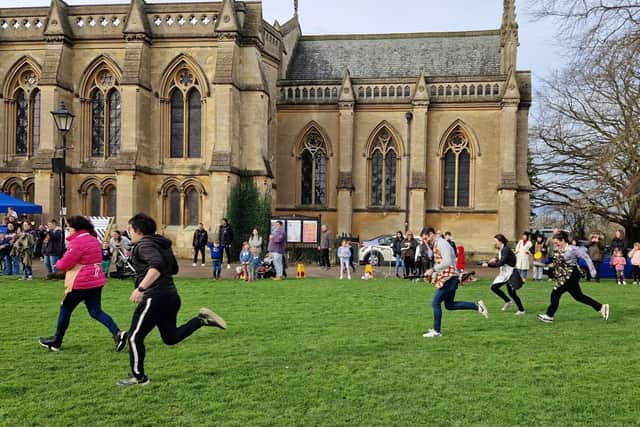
(380,253)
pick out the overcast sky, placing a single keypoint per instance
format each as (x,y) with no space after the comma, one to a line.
(538,52)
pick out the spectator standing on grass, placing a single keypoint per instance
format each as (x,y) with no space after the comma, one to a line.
(5,249)
(84,280)
(277,247)
(567,277)
(594,249)
(23,248)
(344,253)
(396,246)
(106,258)
(634,256)
(254,263)
(423,256)
(225,235)
(12,262)
(217,251)
(618,242)
(618,262)
(245,260)
(255,241)
(523,255)
(53,246)
(157,297)
(12,215)
(409,245)
(446,282)
(325,245)
(539,255)
(199,243)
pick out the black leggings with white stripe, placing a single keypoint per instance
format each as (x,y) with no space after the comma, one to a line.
(160,311)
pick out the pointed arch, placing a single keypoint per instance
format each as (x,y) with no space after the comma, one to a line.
(400,147)
(467,131)
(195,184)
(311,126)
(110,181)
(100,62)
(167,184)
(89,182)
(11,182)
(183,60)
(11,80)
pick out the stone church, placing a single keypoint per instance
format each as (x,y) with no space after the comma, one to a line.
(174,101)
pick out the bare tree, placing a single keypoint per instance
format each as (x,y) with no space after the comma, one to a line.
(586,140)
(588,24)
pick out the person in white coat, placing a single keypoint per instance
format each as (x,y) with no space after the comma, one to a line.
(523,255)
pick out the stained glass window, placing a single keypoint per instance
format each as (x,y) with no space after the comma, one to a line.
(22,123)
(194,123)
(97,123)
(313,161)
(114,123)
(110,196)
(177,124)
(456,173)
(35,122)
(94,201)
(174,206)
(192,205)
(384,168)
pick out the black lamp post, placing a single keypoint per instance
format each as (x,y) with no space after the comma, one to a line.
(409,116)
(63,119)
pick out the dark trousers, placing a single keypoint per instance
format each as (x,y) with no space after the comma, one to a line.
(217,267)
(573,287)
(409,265)
(636,273)
(197,251)
(512,293)
(227,250)
(92,299)
(324,258)
(160,311)
(596,264)
(447,294)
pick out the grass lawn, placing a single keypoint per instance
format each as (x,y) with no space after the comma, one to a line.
(327,352)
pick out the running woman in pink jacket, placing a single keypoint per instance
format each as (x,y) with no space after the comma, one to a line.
(83,282)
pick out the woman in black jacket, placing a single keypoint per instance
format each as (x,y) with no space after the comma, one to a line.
(506,263)
(396,246)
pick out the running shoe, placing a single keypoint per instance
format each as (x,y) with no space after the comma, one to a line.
(431,333)
(120,339)
(209,318)
(50,343)
(482,309)
(507,305)
(519,313)
(605,311)
(132,380)
(545,318)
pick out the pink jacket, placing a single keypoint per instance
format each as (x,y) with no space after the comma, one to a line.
(85,250)
(618,262)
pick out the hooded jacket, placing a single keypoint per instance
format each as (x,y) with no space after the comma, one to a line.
(154,251)
(85,250)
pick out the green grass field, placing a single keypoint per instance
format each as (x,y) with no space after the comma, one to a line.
(327,352)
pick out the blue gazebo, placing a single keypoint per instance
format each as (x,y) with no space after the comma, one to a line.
(20,206)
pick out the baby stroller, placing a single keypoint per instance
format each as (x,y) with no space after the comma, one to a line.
(124,268)
(266,270)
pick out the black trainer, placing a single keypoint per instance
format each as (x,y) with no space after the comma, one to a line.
(209,318)
(133,380)
(51,343)
(120,339)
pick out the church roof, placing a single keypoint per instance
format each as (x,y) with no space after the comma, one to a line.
(396,55)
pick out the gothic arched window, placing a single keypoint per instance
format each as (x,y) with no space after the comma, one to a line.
(456,171)
(384,171)
(185,115)
(173,207)
(110,197)
(105,105)
(192,206)
(26,102)
(313,166)
(94,201)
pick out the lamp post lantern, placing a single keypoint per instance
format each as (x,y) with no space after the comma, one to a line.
(63,119)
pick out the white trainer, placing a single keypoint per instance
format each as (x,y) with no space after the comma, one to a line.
(194,264)
(431,333)
(605,311)
(203,265)
(545,318)
(507,305)
(519,313)
(482,309)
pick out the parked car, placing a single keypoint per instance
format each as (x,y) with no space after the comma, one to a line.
(378,251)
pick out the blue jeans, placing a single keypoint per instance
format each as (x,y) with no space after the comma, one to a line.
(523,273)
(27,270)
(50,263)
(12,265)
(92,299)
(277,263)
(217,267)
(399,264)
(448,294)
